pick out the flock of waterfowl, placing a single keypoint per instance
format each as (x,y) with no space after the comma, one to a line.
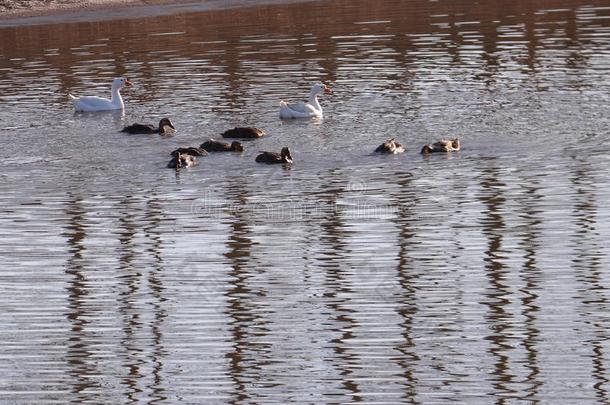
(186,157)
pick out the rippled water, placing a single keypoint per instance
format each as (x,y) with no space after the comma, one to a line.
(477,277)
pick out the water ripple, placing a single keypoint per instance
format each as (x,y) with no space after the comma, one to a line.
(477,276)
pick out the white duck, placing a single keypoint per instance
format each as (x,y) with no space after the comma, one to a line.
(310,109)
(94,103)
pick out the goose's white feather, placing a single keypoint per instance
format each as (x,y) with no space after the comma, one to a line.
(310,109)
(94,103)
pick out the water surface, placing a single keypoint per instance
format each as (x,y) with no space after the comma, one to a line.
(477,277)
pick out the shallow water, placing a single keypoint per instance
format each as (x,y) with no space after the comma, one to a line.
(477,277)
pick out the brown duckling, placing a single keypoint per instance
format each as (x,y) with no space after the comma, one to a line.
(165,128)
(444,145)
(191,151)
(181,160)
(243,132)
(390,146)
(272,157)
(218,146)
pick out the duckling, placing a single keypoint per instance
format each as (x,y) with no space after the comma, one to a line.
(165,128)
(444,145)
(390,146)
(181,160)
(243,132)
(219,146)
(191,151)
(272,157)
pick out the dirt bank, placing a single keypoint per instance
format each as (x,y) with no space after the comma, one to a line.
(33,8)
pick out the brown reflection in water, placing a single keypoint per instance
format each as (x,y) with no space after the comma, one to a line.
(531,274)
(533,43)
(152,217)
(336,279)
(490,53)
(78,351)
(403,46)
(493,227)
(127,41)
(589,269)
(241,299)
(230,60)
(406,279)
(456,39)
(130,282)
(577,58)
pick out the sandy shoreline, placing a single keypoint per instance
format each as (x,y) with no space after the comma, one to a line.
(33,8)
(27,12)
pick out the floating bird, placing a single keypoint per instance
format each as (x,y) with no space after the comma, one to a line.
(310,109)
(272,157)
(219,146)
(390,146)
(243,132)
(94,103)
(444,145)
(182,160)
(165,128)
(191,151)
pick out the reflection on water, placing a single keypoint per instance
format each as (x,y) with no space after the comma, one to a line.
(475,277)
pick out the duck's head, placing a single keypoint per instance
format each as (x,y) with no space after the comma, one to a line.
(166,127)
(320,88)
(185,160)
(285,154)
(165,122)
(237,146)
(456,143)
(120,82)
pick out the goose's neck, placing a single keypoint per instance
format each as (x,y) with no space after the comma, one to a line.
(116,97)
(313,100)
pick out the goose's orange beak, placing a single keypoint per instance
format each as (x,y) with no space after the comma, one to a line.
(327,89)
(128,83)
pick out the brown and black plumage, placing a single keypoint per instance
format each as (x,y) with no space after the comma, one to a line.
(272,157)
(444,145)
(191,151)
(213,145)
(165,128)
(390,146)
(243,132)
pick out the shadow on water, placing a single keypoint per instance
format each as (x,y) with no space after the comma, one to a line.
(247,327)
(406,280)
(498,318)
(588,267)
(153,218)
(81,366)
(336,283)
(531,274)
(130,288)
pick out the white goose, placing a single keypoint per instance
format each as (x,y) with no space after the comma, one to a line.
(94,103)
(310,109)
